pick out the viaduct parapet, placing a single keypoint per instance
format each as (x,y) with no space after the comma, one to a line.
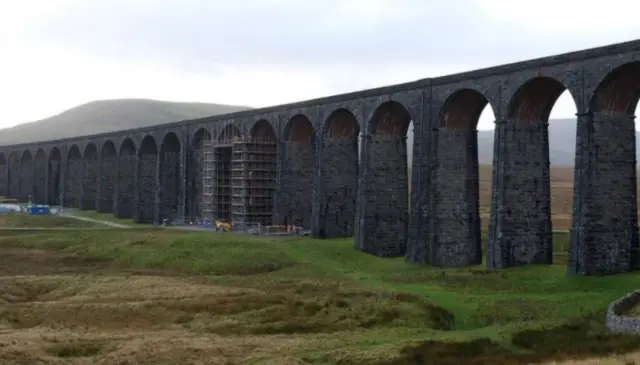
(300,164)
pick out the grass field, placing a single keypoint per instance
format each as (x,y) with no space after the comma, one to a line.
(21,220)
(153,296)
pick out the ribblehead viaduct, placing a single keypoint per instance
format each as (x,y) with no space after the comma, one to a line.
(320,177)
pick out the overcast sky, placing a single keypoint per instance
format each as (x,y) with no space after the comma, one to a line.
(56,54)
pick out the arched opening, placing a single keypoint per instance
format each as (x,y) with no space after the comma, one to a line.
(14,175)
(4,175)
(216,204)
(170,184)
(297,173)
(338,175)
(385,188)
(126,179)
(146,185)
(55,177)
(522,231)
(200,142)
(27,174)
(254,168)
(108,172)
(73,180)
(458,214)
(606,213)
(40,178)
(91,169)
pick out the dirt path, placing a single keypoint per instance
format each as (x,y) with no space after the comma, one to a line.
(68,214)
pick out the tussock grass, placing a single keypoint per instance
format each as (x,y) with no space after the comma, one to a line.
(151,296)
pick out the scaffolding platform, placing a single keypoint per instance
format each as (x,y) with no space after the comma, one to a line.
(239,178)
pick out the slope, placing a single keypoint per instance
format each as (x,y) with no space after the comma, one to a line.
(110,115)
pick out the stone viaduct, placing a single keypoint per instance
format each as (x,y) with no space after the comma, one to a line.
(325,182)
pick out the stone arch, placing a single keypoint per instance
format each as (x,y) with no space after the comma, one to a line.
(73,181)
(617,93)
(126,179)
(532,101)
(55,177)
(147,180)
(458,238)
(384,195)
(228,134)
(27,174)
(170,182)
(40,177)
(299,129)
(338,175)
(108,173)
(90,174)
(260,163)
(522,177)
(607,243)
(297,179)
(462,109)
(263,130)
(200,140)
(4,176)
(390,118)
(13,171)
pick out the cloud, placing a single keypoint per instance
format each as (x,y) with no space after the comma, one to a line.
(262,52)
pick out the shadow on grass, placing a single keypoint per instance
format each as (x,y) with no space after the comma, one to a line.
(579,339)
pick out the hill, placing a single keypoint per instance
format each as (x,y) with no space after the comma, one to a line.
(110,115)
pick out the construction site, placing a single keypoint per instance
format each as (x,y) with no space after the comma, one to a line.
(239,184)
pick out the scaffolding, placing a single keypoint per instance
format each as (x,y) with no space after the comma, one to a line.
(238,182)
(253,177)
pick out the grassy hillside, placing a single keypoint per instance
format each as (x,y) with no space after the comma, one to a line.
(110,115)
(145,296)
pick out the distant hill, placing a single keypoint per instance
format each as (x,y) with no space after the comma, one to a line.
(562,143)
(108,116)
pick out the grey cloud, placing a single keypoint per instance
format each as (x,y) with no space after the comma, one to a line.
(311,32)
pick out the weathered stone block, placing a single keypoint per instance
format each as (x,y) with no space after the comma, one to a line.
(339,186)
(384,200)
(147,188)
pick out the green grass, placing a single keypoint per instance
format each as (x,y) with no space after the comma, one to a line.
(107,217)
(386,312)
(22,220)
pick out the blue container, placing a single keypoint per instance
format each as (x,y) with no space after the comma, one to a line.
(38,210)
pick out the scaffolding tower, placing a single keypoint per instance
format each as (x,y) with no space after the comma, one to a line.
(207,204)
(253,177)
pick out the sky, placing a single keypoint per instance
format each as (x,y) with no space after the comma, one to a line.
(56,54)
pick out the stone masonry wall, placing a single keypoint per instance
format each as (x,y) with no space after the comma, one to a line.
(458,237)
(73,183)
(196,176)
(521,232)
(54,183)
(169,184)
(296,184)
(4,181)
(40,180)
(127,164)
(147,188)
(109,170)
(91,167)
(27,180)
(339,187)
(384,222)
(617,321)
(605,232)
(14,178)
